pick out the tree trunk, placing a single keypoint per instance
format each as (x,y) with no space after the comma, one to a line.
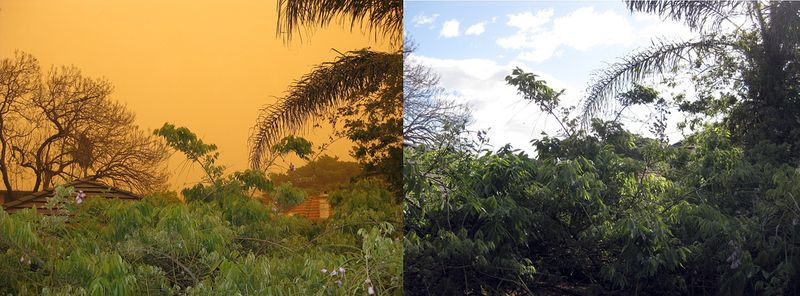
(9,196)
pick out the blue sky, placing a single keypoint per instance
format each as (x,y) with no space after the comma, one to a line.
(474,45)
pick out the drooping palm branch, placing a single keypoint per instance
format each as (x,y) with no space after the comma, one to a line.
(381,16)
(654,60)
(352,77)
(778,25)
(696,14)
(662,55)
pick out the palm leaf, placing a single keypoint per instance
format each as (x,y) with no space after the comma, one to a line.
(381,16)
(351,77)
(696,14)
(633,68)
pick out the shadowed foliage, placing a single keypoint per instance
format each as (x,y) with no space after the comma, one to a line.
(603,211)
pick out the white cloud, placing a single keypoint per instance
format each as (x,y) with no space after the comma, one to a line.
(423,19)
(528,22)
(540,39)
(450,29)
(476,29)
(538,36)
(584,28)
(652,26)
(496,106)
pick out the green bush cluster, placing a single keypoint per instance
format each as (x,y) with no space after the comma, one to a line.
(604,213)
(232,245)
(288,196)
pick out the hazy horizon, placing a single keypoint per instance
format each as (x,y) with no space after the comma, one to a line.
(206,66)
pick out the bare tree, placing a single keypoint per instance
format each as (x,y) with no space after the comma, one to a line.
(65,126)
(113,148)
(18,78)
(427,114)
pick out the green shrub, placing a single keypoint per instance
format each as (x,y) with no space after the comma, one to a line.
(232,245)
(609,212)
(288,196)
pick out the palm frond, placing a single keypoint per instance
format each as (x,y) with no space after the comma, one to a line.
(653,60)
(696,14)
(381,16)
(351,77)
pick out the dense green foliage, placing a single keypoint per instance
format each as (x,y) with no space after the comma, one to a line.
(610,211)
(223,241)
(162,246)
(603,212)
(287,196)
(599,210)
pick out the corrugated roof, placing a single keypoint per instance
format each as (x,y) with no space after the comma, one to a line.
(17,194)
(91,188)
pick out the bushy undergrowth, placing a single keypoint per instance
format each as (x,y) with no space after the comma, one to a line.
(232,245)
(604,213)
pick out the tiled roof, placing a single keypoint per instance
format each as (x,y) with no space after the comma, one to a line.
(313,208)
(89,187)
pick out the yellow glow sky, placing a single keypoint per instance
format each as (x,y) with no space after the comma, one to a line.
(207,65)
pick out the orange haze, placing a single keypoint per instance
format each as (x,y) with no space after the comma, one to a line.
(207,65)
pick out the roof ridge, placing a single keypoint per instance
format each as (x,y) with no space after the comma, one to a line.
(49,191)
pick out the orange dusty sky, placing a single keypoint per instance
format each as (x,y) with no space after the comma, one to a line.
(207,65)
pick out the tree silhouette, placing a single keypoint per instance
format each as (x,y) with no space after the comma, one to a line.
(63,125)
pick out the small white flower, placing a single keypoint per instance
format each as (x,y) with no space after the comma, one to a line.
(22,259)
(339,282)
(324,270)
(341,270)
(370,290)
(79,197)
(333,273)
